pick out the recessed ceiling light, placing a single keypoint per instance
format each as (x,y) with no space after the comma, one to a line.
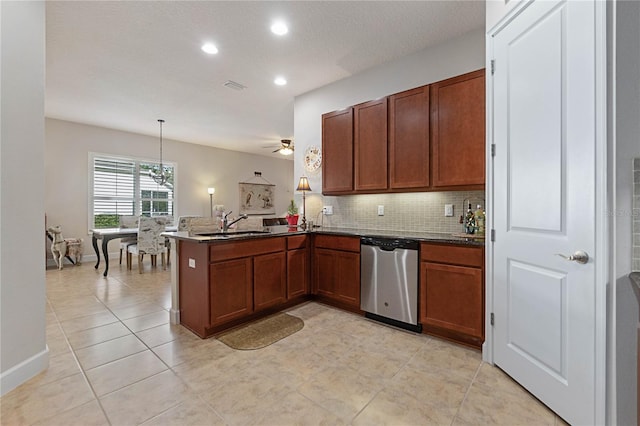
(279,28)
(280,81)
(209,48)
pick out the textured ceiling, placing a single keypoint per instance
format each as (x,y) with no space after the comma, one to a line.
(123,65)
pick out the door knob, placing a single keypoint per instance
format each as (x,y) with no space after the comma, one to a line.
(579,256)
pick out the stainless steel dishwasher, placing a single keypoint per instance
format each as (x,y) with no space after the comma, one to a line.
(389,281)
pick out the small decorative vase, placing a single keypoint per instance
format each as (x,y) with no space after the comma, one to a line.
(292,220)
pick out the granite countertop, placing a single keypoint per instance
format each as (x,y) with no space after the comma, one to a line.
(635,278)
(279,231)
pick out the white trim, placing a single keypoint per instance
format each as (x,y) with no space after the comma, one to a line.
(601,258)
(27,369)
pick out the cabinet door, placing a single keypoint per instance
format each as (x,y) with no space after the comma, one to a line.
(324,272)
(348,273)
(409,139)
(270,280)
(452,299)
(231,289)
(297,273)
(370,145)
(337,275)
(337,151)
(458,130)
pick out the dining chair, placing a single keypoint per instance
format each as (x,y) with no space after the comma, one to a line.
(203,224)
(184,222)
(149,242)
(127,221)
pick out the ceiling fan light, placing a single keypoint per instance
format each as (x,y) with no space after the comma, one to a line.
(286,151)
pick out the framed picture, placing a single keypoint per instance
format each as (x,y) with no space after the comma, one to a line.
(257,198)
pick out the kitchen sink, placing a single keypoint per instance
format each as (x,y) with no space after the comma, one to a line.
(230,234)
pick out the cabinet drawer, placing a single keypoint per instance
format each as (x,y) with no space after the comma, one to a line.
(455,255)
(296,242)
(336,242)
(235,249)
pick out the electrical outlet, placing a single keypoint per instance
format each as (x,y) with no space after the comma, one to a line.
(448,210)
(192,263)
(327,210)
(380,210)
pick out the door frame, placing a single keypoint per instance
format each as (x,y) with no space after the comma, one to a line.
(602,255)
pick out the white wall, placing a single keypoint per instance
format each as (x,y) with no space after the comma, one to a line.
(454,57)
(495,10)
(198,167)
(23,351)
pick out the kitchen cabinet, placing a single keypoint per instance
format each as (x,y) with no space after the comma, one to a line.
(269,280)
(452,292)
(337,152)
(409,140)
(458,131)
(430,138)
(297,266)
(336,270)
(225,283)
(370,145)
(231,294)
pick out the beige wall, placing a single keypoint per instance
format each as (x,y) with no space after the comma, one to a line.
(198,167)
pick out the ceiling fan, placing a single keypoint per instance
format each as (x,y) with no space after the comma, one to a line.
(285,148)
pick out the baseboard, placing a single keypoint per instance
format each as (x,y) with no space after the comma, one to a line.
(27,369)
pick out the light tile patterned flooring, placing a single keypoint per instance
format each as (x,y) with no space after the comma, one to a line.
(115,359)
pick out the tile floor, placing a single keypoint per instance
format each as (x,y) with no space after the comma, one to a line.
(115,359)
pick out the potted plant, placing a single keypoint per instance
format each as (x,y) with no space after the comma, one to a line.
(292,214)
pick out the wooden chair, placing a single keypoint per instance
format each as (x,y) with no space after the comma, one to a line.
(149,242)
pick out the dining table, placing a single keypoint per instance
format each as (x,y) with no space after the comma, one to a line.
(108,234)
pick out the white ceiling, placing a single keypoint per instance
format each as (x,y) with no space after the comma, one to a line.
(123,65)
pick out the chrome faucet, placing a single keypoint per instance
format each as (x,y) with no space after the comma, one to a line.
(225,222)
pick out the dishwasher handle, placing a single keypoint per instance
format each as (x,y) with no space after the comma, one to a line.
(389,244)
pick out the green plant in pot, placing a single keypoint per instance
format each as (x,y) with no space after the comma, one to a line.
(292,214)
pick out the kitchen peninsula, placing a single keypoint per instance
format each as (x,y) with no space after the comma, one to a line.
(221,280)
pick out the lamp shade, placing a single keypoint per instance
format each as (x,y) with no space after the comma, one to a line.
(303,185)
(211,190)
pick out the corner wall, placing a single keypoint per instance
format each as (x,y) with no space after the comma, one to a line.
(23,350)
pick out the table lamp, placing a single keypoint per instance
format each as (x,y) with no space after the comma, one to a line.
(303,186)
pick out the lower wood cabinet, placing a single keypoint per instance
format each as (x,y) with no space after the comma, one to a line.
(269,280)
(452,292)
(297,273)
(336,270)
(231,290)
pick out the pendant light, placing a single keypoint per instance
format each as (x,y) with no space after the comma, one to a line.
(160,177)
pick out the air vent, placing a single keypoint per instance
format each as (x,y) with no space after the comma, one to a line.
(234,85)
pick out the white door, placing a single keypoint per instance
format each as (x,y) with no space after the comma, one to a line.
(544,204)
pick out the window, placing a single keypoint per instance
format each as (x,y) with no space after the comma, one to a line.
(123,186)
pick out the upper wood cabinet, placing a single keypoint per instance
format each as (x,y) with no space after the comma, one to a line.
(458,130)
(370,145)
(337,151)
(424,139)
(409,139)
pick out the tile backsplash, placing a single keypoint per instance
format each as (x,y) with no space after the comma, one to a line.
(416,211)
(635,264)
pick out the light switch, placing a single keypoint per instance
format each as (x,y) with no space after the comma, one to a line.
(448,210)
(192,263)
(380,210)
